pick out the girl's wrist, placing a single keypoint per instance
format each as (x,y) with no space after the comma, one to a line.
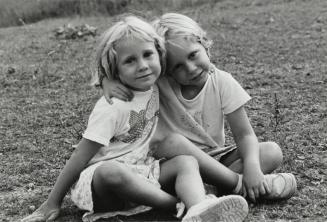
(251,164)
(251,161)
(53,202)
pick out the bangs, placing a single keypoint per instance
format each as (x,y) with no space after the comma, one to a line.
(133,33)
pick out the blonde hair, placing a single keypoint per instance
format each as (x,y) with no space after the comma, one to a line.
(129,27)
(174,25)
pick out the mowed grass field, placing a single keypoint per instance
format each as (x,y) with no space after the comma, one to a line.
(277,50)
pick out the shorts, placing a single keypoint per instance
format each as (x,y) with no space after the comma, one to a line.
(229,149)
(220,152)
(81,193)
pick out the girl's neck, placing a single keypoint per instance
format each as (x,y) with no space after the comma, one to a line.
(137,90)
(190,92)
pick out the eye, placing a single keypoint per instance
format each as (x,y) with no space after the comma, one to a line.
(148,54)
(193,54)
(129,60)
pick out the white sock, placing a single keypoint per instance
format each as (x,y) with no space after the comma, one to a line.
(238,187)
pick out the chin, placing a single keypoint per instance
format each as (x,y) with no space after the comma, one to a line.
(142,89)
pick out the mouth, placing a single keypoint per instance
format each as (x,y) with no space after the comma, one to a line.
(144,76)
(198,76)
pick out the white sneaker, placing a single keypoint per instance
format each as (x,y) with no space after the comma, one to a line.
(231,208)
(282,186)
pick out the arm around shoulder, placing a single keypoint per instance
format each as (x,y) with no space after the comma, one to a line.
(114,88)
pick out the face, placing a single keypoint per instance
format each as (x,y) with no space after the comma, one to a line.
(138,63)
(187,62)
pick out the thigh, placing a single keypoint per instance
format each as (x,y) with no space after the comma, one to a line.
(109,202)
(174,145)
(270,157)
(104,199)
(168,175)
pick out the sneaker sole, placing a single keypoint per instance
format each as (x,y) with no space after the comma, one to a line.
(231,208)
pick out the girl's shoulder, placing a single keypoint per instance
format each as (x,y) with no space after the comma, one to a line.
(102,106)
(219,75)
(216,71)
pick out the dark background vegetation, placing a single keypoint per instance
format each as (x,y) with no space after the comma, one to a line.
(276,49)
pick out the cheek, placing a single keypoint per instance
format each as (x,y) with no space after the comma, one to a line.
(156,65)
(179,77)
(205,62)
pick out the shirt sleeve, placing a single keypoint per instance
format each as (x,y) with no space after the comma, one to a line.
(233,96)
(102,124)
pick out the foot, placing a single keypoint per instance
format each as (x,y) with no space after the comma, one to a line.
(231,208)
(282,186)
(43,213)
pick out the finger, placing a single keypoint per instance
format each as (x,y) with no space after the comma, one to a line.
(126,92)
(256,193)
(122,96)
(53,215)
(262,189)
(35,217)
(244,193)
(251,195)
(109,100)
(267,188)
(129,94)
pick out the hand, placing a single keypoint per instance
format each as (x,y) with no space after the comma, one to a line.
(43,213)
(254,184)
(113,88)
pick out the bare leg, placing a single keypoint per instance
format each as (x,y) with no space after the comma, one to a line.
(270,158)
(182,174)
(113,181)
(212,171)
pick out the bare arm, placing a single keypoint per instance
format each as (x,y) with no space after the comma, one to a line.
(114,88)
(49,210)
(244,136)
(85,150)
(248,144)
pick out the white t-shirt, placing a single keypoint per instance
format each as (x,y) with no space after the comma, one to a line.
(200,119)
(124,128)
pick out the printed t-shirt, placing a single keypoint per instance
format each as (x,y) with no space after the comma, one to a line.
(124,128)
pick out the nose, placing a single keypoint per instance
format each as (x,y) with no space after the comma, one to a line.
(190,66)
(143,65)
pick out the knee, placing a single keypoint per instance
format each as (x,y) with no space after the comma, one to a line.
(173,139)
(186,163)
(174,144)
(276,153)
(112,174)
(273,153)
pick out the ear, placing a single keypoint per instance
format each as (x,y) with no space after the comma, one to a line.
(112,60)
(208,52)
(206,43)
(162,55)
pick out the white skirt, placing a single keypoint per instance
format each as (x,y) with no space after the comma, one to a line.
(81,193)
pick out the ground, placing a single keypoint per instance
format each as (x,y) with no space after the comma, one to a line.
(277,50)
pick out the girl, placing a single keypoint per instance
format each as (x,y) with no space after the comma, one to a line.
(194,98)
(115,172)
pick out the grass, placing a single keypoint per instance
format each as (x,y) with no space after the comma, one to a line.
(20,12)
(275,49)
